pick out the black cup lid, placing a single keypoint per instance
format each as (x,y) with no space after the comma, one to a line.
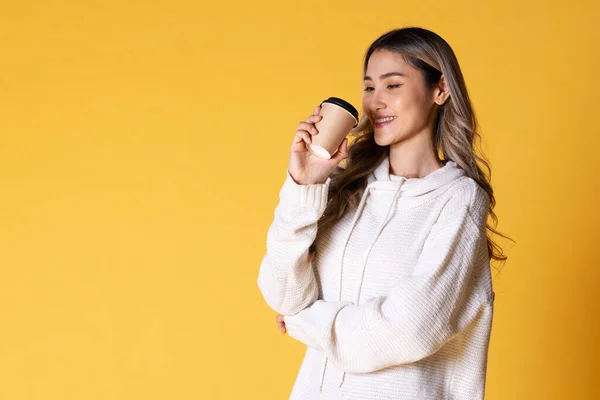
(345,105)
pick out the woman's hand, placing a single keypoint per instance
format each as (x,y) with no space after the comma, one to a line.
(306,168)
(280,323)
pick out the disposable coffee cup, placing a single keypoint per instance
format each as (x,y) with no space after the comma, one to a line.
(339,117)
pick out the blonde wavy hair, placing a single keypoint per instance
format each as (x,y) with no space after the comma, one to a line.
(455,134)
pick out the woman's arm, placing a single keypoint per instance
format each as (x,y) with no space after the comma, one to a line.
(286,277)
(418,315)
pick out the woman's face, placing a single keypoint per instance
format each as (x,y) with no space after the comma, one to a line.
(396,100)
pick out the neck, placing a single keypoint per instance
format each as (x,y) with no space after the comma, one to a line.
(415,157)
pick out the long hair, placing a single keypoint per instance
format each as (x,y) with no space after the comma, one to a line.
(455,136)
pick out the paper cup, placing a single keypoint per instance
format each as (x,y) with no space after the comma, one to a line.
(339,117)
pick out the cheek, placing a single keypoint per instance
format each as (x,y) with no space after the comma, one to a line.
(413,107)
(407,101)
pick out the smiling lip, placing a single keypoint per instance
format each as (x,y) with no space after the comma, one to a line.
(381,121)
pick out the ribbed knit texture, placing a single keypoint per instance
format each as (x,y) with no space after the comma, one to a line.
(398,302)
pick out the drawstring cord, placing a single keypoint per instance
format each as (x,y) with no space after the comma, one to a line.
(359,210)
(364,265)
(358,213)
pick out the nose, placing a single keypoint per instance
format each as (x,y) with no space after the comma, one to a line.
(376,101)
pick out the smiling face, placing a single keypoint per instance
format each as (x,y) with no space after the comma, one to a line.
(396,100)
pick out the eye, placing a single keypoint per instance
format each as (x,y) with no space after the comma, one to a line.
(394,86)
(369,89)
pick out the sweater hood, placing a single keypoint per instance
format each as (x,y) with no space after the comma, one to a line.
(381,179)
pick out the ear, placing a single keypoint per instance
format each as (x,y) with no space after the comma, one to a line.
(441,92)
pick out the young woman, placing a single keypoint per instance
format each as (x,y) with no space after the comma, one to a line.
(382,267)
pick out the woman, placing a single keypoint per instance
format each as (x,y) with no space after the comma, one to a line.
(382,267)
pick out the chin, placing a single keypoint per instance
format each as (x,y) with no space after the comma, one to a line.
(382,140)
(380,143)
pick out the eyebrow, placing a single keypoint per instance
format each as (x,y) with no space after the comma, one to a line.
(368,78)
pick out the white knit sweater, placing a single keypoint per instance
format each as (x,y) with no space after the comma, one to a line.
(398,302)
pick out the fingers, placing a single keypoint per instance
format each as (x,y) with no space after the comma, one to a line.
(307,127)
(341,153)
(313,119)
(280,323)
(302,136)
(344,148)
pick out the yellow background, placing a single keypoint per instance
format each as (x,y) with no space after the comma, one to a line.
(143,145)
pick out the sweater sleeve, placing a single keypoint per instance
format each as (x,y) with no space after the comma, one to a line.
(286,278)
(417,316)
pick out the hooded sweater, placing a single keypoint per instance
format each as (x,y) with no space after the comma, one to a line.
(397,302)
